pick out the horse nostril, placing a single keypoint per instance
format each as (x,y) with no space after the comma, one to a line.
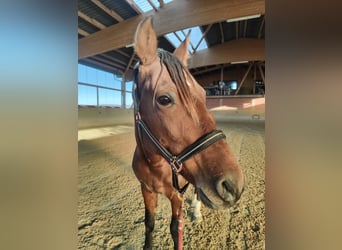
(227,187)
(226,190)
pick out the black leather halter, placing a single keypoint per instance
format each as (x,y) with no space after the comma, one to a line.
(175,161)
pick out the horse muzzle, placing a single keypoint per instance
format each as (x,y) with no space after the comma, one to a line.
(225,194)
(228,191)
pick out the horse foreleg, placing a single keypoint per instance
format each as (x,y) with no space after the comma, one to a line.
(177,210)
(150,200)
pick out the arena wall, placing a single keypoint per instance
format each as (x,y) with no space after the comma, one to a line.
(92,117)
(237,108)
(223,108)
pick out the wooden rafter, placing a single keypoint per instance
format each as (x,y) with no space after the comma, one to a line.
(192,46)
(91,20)
(152,4)
(245,28)
(134,6)
(261,73)
(203,35)
(109,62)
(129,63)
(114,59)
(110,12)
(117,63)
(244,78)
(180,39)
(206,69)
(221,31)
(254,77)
(261,27)
(237,30)
(161,3)
(82,32)
(122,53)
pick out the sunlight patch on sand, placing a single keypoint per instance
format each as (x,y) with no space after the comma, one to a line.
(94,133)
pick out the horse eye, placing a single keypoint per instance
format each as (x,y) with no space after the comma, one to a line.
(164,100)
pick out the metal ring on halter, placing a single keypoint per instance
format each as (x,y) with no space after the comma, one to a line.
(137,116)
(176,167)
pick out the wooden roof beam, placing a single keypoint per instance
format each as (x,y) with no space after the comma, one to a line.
(176,15)
(83,32)
(207,70)
(184,34)
(261,73)
(114,59)
(122,53)
(110,12)
(221,31)
(152,4)
(203,35)
(109,62)
(244,49)
(129,63)
(245,28)
(91,20)
(161,3)
(180,39)
(237,30)
(261,27)
(133,5)
(244,78)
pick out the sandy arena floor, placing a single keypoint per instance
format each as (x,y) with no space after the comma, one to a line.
(111,208)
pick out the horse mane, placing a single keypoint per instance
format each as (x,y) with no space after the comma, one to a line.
(180,75)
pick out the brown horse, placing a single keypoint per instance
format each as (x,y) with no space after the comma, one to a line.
(177,140)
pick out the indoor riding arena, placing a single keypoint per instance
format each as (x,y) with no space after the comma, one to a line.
(226,57)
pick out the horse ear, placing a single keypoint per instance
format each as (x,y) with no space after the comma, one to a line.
(182,51)
(145,41)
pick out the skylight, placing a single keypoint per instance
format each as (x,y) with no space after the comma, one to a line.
(145,6)
(196,34)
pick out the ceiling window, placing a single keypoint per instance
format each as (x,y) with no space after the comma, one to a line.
(145,6)
(196,34)
(176,37)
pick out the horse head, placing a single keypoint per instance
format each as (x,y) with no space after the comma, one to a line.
(173,106)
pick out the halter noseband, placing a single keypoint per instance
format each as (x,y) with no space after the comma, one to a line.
(175,161)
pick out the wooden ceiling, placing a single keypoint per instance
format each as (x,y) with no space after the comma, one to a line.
(106,30)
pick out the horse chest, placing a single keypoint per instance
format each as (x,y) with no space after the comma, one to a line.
(158,177)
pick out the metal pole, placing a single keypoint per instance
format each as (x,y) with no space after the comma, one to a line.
(123,92)
(97,97)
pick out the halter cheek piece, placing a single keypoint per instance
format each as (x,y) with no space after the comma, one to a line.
(175,161)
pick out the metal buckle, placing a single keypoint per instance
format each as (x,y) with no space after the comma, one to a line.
(137,116)
(176,167)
